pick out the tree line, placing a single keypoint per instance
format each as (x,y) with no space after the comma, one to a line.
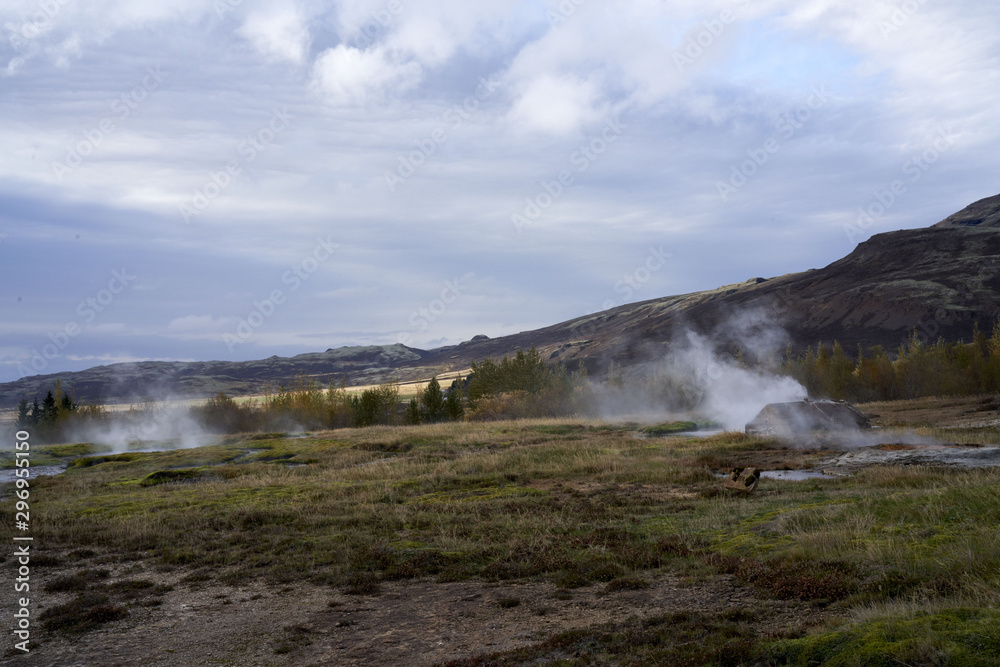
(942,368)
(522,385)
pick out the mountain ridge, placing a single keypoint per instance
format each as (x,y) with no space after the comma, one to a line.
(941,280)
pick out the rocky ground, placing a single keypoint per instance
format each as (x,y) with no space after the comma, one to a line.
(961,456)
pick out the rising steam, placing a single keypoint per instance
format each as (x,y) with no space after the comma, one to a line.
(698,378)
(729,392)
(152,426)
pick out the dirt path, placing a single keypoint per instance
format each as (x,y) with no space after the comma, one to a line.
(411,623)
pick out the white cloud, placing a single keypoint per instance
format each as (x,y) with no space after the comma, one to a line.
(279,32)
(557,105)
(427,39)
(353,76)
(64,29)
(941,60)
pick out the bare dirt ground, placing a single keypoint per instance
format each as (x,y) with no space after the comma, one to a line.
(411,623)
(953,413)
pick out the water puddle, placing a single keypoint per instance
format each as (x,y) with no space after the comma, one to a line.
(639,435)
(34,471)
(795,475)
(247,453)
(7,476)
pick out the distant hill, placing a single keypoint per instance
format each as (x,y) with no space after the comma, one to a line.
(939,281)
(161,379)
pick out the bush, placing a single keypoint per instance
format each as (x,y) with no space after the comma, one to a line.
(224,415)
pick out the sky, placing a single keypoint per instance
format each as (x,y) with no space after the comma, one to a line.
(235,179)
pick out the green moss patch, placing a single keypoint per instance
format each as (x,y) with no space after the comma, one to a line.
(172,476)
(670,428)
(951,638)
(391,447)
(89,461)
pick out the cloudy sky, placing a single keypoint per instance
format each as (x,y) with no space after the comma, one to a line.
(232,179)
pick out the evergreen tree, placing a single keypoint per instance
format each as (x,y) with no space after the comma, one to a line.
(525,371)
(23,418)
(453,410)
(36,412)
(49,411)
(413,412)
(378,405)
(432,402)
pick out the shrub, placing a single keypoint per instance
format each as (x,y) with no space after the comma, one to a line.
(83,613)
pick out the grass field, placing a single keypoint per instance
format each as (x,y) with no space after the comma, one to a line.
(906,560)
